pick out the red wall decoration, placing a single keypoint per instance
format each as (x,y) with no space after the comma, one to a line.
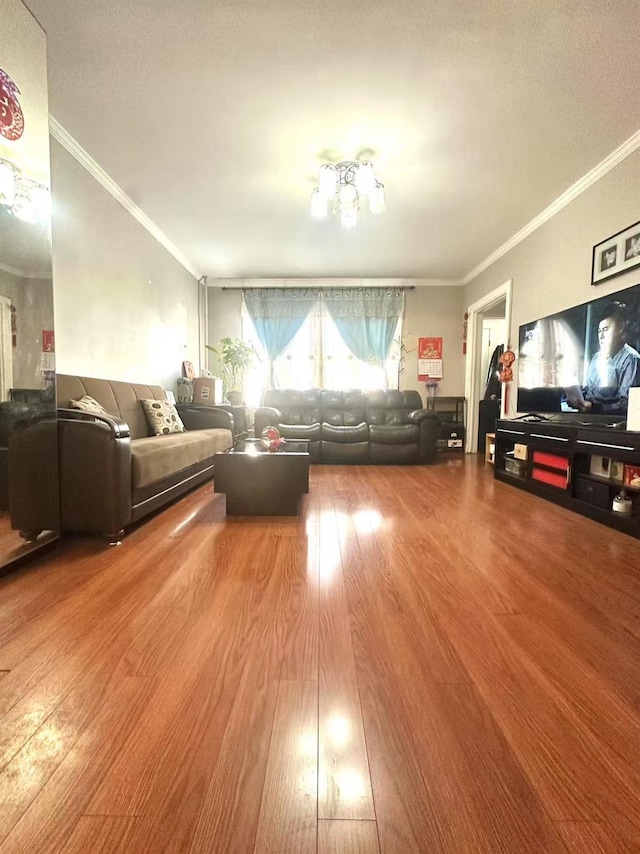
(429,359)
(11,115)
(48,342)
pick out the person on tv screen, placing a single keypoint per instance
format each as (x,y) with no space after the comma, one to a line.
(614,369)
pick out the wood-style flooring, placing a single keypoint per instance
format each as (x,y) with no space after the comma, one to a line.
(423,661)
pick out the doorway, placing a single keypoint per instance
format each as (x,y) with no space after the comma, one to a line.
(489,319)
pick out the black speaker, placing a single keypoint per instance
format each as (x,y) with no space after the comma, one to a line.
(488,414)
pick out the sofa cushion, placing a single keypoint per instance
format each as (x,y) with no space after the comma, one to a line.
(344,408)
(297,407)
(160,456)
(162,416)
(394,434)
(300,431)
(391,406)
(345,435)
(87,404)
(118,398)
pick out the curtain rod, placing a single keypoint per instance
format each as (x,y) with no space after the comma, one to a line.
(311,288)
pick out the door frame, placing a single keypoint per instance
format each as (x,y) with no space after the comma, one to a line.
(6,348)
(474,343)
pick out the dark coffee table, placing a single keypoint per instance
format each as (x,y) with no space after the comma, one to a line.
(259,483)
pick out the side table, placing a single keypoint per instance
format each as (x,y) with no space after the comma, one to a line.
(259,483)
(490,448)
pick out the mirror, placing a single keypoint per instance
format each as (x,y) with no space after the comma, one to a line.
(29,515)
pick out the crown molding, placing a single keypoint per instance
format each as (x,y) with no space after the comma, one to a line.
(77,151)
(25,274)
(606,165)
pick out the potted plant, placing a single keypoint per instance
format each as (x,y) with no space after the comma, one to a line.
(235,357)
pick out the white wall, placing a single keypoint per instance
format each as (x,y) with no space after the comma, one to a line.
(125,308)
(225,318)
(430,310)
(551,269)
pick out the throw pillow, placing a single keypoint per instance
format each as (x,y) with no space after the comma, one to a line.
(162,416)
(87,404)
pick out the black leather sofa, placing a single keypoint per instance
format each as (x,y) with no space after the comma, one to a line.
(353,426)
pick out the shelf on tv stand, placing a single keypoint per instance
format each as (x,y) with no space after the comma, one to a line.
(578,443)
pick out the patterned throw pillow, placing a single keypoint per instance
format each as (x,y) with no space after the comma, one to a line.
(162,416)
(87,404)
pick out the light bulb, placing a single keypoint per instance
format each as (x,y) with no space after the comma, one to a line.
(41,201)
(328,180)
(365,178)
(23,208)
(32,202)
(377,202)
(318,205)
(9,175)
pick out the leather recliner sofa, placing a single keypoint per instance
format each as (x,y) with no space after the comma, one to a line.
(353,426)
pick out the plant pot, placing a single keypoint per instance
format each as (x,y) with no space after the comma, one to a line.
(234,398)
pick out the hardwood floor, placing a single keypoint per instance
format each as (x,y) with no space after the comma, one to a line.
(423,661)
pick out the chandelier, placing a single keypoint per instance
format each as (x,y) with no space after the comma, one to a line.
(344,186)
(23,198)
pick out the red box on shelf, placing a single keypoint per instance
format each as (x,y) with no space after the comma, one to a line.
(553,460)
(632,477)
(551,477)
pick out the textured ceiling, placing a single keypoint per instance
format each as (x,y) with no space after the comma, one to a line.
(213,117)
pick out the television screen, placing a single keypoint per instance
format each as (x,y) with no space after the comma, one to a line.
(582,360)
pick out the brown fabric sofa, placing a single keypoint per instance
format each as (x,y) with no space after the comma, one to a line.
(112,471)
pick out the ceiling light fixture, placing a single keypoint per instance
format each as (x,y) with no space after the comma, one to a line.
(343,186)
(23,198)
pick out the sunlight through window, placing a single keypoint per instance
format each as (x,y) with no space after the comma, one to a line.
(316,358)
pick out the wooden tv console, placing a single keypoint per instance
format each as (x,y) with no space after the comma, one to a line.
(558,466)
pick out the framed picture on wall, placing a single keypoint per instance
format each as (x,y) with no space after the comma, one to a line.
(616,254)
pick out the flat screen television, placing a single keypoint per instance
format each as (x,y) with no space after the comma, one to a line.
(582,360)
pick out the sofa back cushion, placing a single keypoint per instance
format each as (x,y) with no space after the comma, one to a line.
(344,408)
(297,407)
(118,398)
(391,406)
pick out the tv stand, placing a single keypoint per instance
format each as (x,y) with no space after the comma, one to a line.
(561,465)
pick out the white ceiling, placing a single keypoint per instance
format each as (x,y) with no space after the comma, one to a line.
(213,116)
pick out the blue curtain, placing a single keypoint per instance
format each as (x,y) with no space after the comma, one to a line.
(277,315)
(366,319)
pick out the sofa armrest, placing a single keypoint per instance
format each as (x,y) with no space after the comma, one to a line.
(239,413)
(419,415)
(95,472)
(118,427)
(33,477)
(429,424)
(266,416)
(205,418)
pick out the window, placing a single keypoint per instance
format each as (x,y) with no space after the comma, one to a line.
(317,358)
